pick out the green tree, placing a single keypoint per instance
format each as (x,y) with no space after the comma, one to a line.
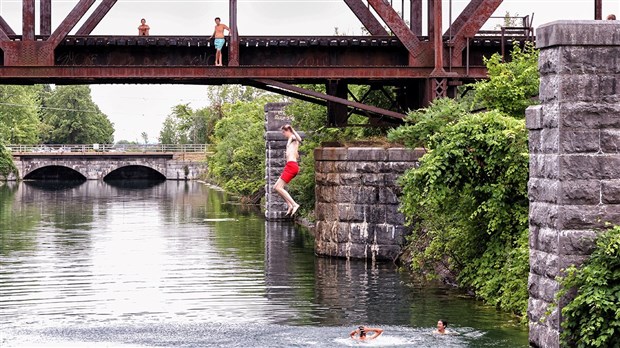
(6,162)
(512,86)
(73,118)
(19,118)
(591,319)
(239,160)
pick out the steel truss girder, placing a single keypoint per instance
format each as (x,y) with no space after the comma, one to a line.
(369,21)
(95,18)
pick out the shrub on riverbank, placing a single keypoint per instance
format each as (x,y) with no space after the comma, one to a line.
(592,318)
(468,199)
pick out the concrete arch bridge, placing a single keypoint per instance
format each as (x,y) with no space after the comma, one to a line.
(59,164)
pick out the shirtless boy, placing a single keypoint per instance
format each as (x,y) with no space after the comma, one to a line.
(143,29)
(218,33)
(364,335)
(291,169)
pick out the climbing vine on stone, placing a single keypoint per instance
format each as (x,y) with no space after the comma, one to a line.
(592,318)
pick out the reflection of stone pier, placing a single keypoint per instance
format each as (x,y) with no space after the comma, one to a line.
(336,291)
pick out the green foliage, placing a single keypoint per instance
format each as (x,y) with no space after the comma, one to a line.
(426,122)
(71,117)
(511,86)
(19,118)
(592,319)
(239,160)
(6,162)
(468,201)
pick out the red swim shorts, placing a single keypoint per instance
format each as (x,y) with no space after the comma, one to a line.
(290,170)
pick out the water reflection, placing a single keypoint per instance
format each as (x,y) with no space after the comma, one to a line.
(104,263)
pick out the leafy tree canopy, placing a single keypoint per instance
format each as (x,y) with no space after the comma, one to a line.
(19,117)
(71,117)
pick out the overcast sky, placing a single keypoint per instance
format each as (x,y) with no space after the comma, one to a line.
(142,108)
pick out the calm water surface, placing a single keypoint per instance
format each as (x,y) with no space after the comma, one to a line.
(178,265)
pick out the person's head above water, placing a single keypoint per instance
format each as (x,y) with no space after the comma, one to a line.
(362,331)
(441,325)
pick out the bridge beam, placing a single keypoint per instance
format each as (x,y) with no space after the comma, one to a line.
(233,43)
(45,19)
(400,29)
(476,17)
(416,17)
(71,21)
(95,18)
(333,99)
(5,27)
(28,13)
(368,20)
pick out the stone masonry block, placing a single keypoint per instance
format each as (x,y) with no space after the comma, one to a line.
(362,167)
(543,215)
(362,232)
(373,179)
(387,234)
(578,88)
(367,154)
(534,141)
(349,179)
(580,192)
(393,216)
(610,141)
(544,190)
(579,242)
(533,117)
(330,154)
(589,60)
(610,191)
(388,195)
(364,195)
(610,88)
(580,141)
(581,217)
(404,154)
(549,140)
(545,240)
(542,288)
(544,264)
(578,33)
(587,115)
(587,167)
(544,166)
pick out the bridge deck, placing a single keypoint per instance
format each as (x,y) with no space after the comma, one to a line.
(303,59)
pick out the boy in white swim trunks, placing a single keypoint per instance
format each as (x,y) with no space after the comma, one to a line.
(218,33)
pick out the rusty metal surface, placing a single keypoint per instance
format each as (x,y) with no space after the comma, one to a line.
(45,18)
(28,13)
(334,99)
(438,40)
(368,20)
(233,42)
(483,11)
(399,28)
(93,20)
(5,27)
(416,17)
(216,75)
(598,9)
(69,22)
(467,13)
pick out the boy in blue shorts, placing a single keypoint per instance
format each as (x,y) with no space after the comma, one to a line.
(218,33)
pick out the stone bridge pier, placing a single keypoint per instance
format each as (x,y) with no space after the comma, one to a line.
(574,138)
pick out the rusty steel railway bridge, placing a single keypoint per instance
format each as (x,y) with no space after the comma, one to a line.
(421,68)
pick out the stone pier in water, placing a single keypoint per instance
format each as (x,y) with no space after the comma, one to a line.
(574,137)
(357,201)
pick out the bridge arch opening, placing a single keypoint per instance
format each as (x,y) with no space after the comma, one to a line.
(58,173)
(134,172)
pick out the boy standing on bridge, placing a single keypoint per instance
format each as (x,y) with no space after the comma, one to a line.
(291,169)
(218,33)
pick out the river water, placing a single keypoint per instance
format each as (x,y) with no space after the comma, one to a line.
(176,264)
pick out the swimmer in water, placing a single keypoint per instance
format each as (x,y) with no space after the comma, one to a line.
(365,333)
(441,327)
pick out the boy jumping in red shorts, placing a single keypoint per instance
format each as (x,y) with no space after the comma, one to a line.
(291,169)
